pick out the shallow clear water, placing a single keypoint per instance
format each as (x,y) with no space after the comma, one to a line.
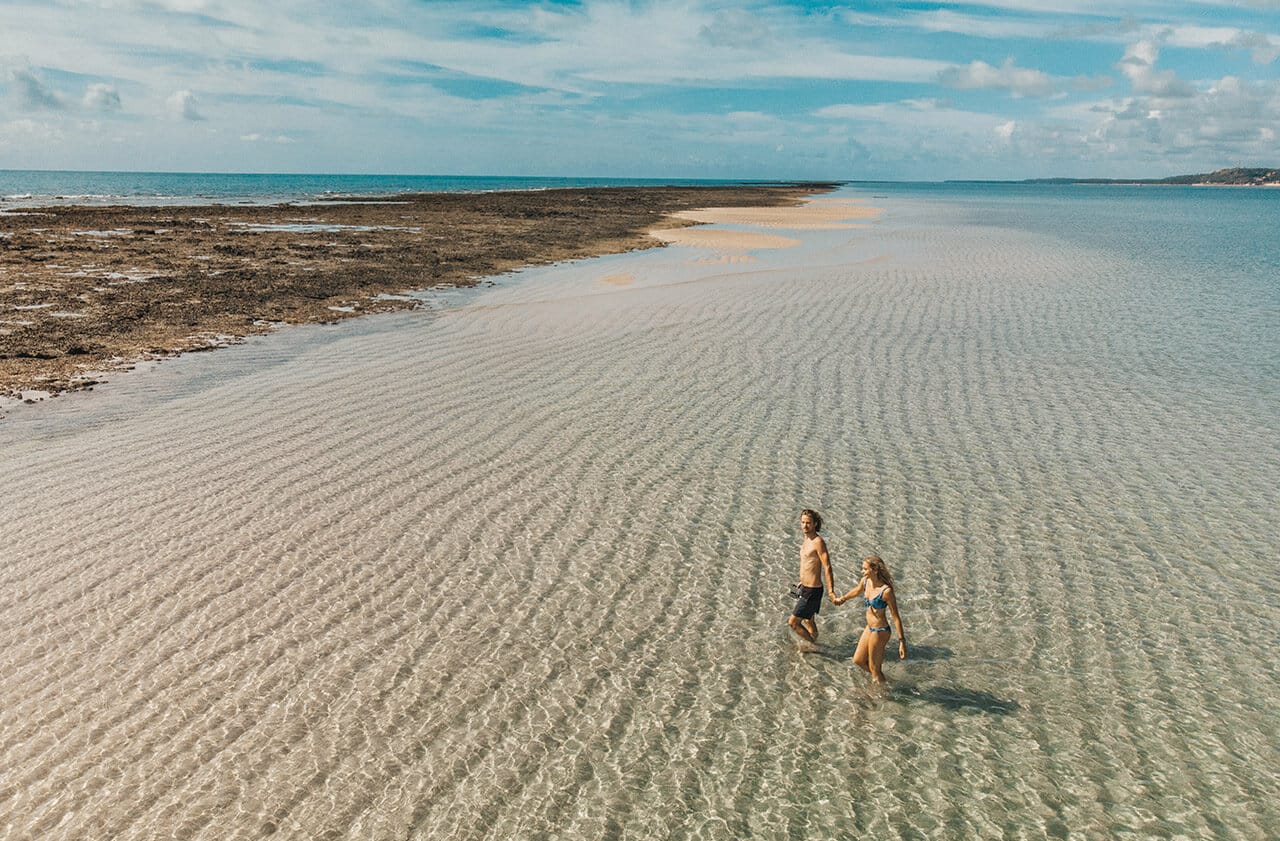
(516,567)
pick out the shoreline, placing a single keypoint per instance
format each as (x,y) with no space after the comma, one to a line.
(87,291)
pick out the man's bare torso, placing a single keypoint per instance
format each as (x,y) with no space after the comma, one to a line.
(810,563)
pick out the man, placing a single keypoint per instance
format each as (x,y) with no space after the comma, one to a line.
(815,566)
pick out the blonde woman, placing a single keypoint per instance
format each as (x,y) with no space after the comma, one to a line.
(876,591)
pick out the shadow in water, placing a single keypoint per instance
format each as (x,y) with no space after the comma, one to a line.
(833,655)
(844,650)
(926,652)
(963,700)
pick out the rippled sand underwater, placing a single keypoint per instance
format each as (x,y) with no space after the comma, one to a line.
(518,567)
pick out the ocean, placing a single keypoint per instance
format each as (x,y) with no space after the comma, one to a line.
(43,188)
(517,565)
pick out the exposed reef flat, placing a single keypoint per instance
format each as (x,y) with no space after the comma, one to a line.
(85,290)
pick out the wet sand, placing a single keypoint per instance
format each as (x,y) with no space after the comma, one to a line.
(87,290)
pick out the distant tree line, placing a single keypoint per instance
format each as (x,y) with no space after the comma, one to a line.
(1238,176)
(1234,175)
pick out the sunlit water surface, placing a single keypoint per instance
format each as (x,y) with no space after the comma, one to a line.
(516,566)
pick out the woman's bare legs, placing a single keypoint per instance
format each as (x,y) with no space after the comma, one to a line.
(861,656)
(877,646)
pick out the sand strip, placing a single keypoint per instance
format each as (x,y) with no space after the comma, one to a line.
(719,239)
(817,214)
(811,215)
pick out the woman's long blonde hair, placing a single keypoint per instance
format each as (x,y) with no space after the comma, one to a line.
(878,566)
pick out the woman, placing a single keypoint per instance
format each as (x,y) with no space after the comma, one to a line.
(876,589)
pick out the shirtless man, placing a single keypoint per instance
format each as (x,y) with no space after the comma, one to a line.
(815,565)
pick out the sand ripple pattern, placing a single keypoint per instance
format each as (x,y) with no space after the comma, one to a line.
(517,568)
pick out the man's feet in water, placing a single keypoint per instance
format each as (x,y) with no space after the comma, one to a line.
(802,629)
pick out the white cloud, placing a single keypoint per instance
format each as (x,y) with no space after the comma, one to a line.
(258,138)
(1228,122)
(1100,8)
(1193,37)
(584,49)
(1101,30)
(33,94)
(1138,65)
(182,104)
(1143,53)
(28,127)
(736,28)
(1020,81)
(20,138)
(101,97)
(1261,47)
(914,115)
(943,20)
(1004,131)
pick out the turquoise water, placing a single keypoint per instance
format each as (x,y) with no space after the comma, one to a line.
(1202,285)
(24,188)
(516,566)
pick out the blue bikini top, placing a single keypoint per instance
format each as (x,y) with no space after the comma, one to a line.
(878,602)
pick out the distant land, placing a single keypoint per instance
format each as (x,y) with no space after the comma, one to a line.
(1234,177)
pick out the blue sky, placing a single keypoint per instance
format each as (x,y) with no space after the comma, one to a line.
(688,88)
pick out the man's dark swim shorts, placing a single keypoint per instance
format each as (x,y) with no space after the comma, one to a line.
(809,603)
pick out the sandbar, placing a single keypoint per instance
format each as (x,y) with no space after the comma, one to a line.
(816,214)
(724,240)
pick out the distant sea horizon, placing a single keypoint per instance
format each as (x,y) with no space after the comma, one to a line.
(40,187)
(22,188)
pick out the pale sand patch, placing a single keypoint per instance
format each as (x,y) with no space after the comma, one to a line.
(721,240)
(624,279)
(723,258)
(813,215)
(877,260)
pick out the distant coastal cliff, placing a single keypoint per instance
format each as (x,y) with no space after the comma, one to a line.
(1235,177)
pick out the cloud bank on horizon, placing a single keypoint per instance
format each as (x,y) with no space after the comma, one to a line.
(659,88)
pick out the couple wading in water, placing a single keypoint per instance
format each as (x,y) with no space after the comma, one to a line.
(874,588)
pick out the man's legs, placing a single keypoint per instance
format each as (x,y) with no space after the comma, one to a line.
(800,627)
(802,619)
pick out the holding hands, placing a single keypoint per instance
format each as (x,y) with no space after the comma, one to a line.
(856,591)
